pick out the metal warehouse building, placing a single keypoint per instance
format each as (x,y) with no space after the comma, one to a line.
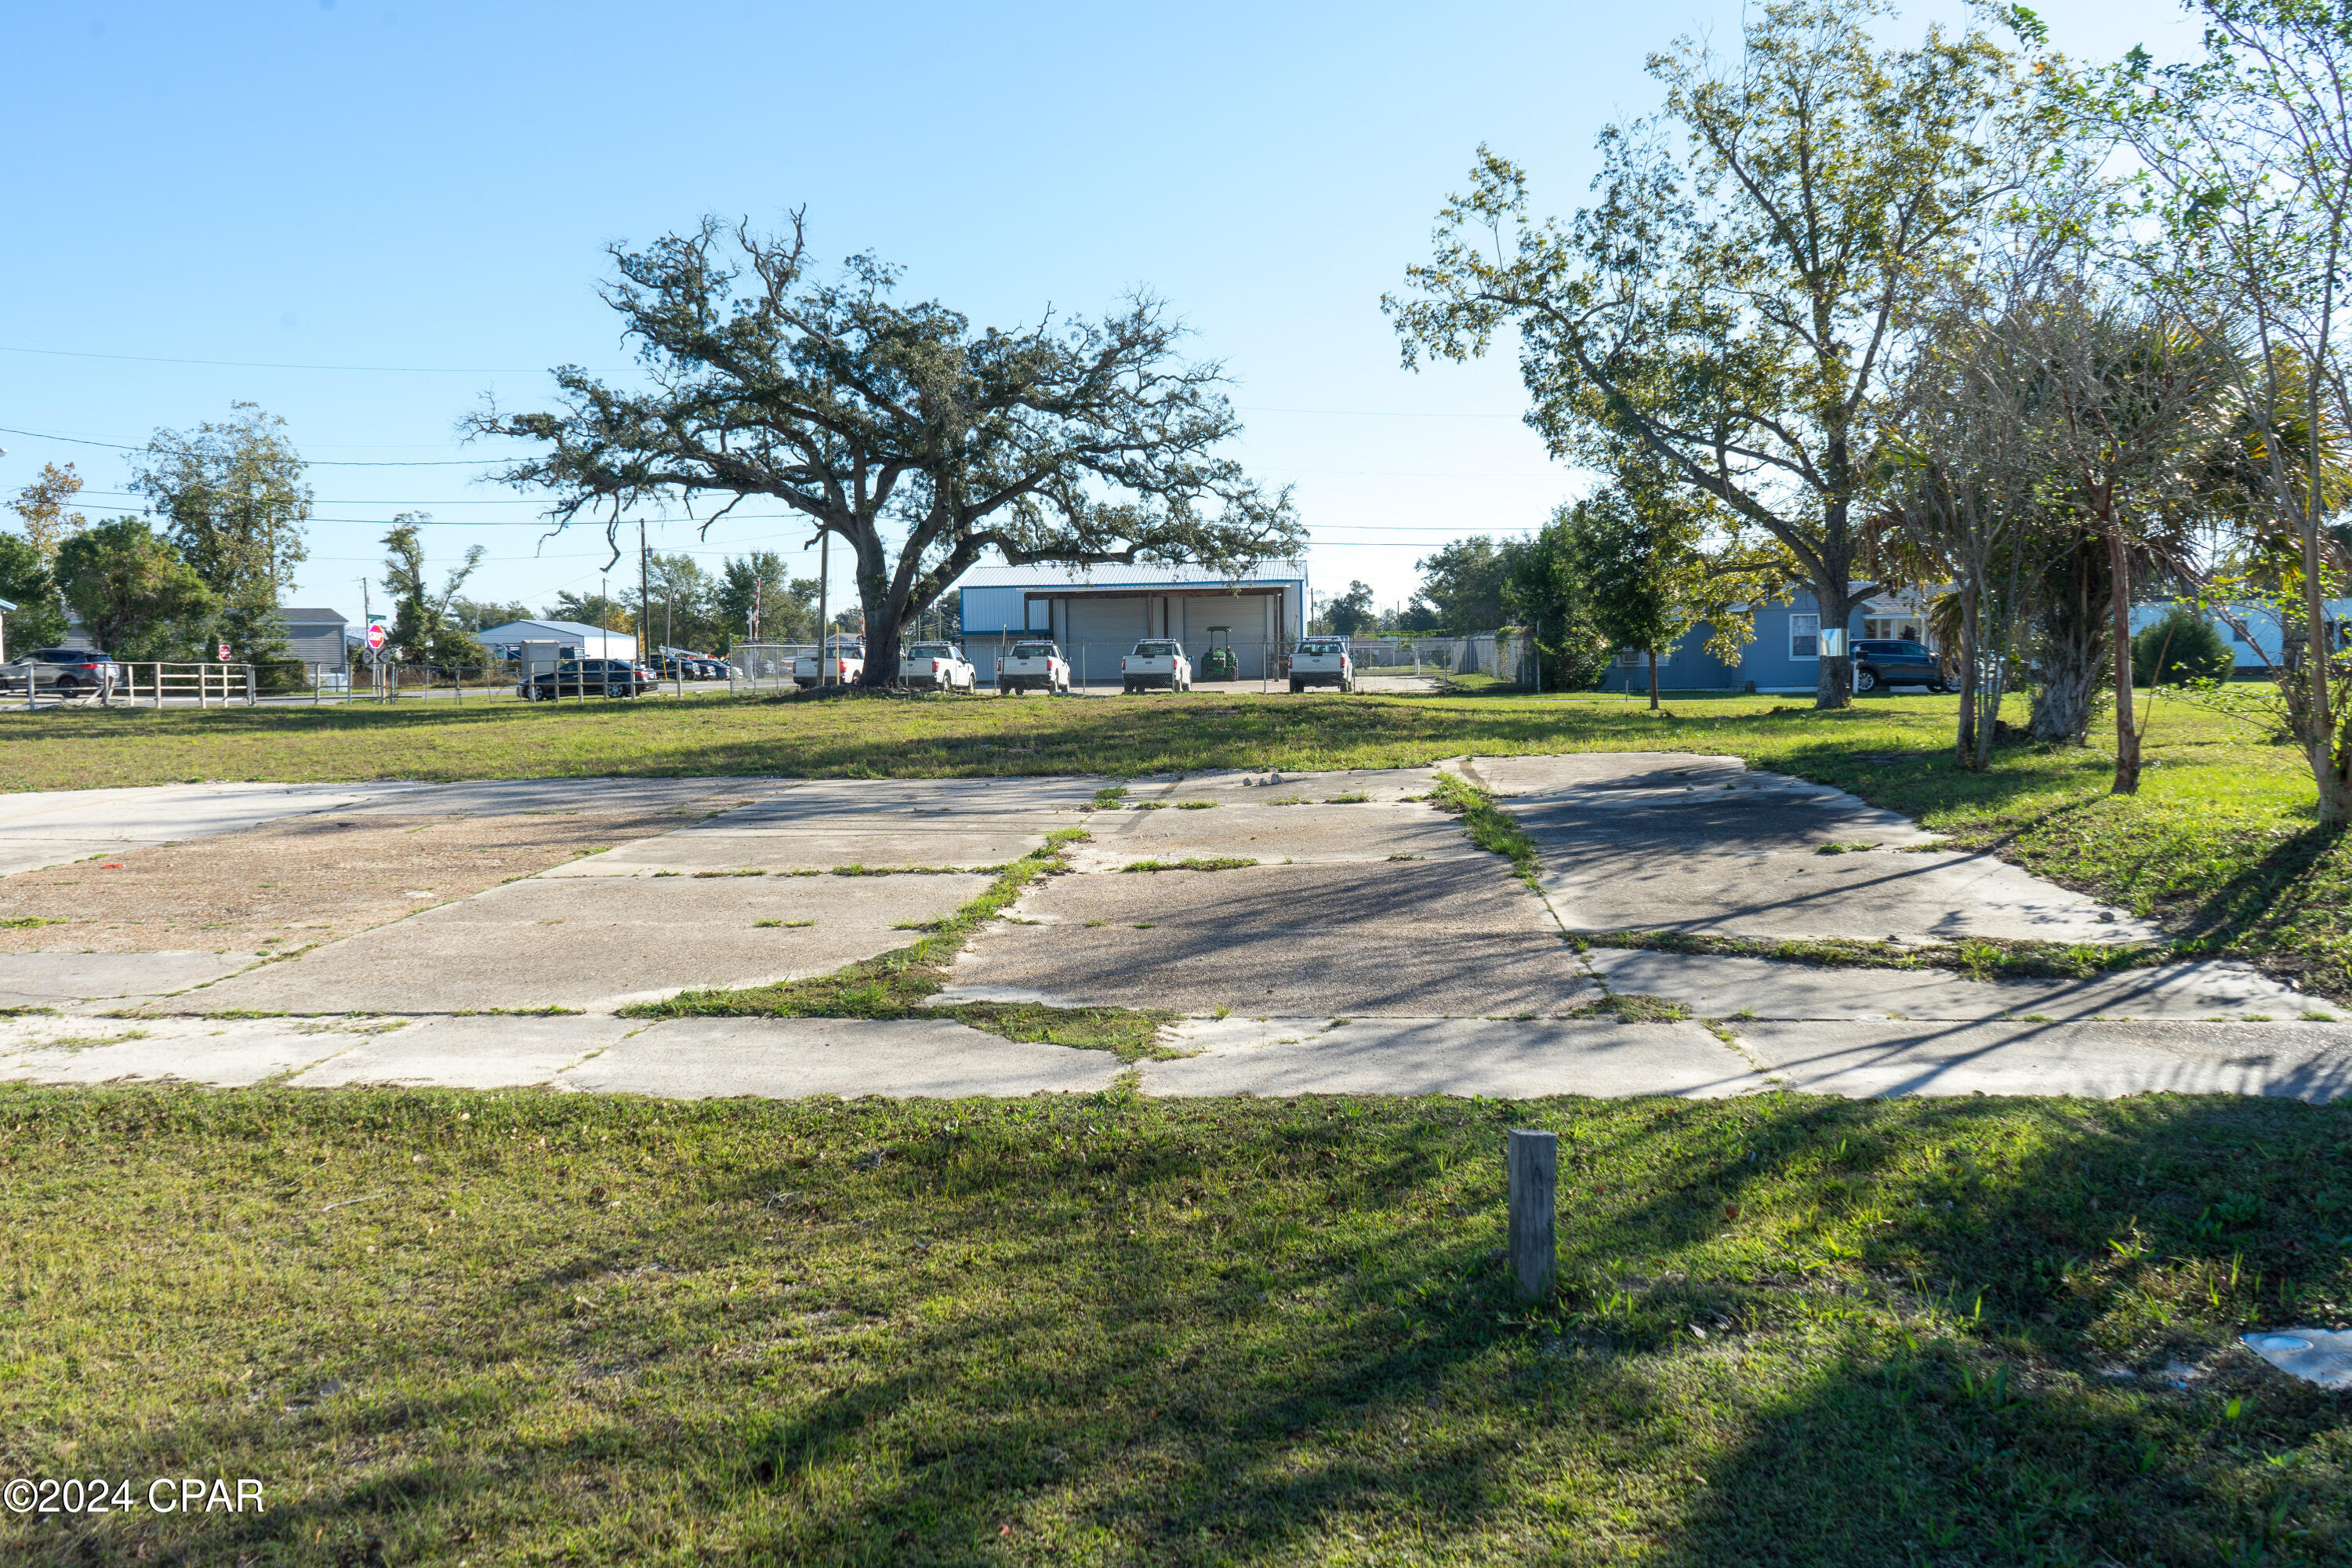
(1098,612)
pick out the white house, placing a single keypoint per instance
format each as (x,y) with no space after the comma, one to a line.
(1098,612)
(576,640)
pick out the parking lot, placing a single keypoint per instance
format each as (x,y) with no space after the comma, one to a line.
(1307,930)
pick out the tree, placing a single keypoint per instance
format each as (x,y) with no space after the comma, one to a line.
(600,610)
(921,444)
(44,507)
(26,582)
(1463,582)
(1544,592)
(786,605)
(1966,472)
(423,627)
(1637,552)
(1351,612)
(235,499)
(477,616)
(2246,157)
(133,592)
(682,612)
(2138,400)
(1736,300)
(2182,646)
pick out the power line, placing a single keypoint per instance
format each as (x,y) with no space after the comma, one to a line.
(620,370)
(271,364)
(312,462)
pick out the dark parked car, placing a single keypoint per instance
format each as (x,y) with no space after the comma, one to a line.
(68,671)
(591,677)
(1896,662)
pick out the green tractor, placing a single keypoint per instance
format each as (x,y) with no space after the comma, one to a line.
(1221,663)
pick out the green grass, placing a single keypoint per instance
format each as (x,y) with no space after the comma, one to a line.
(1634,1008)
(1081,1329)
(1191,863)
(1981,958)
(2219,845)
(1489,826)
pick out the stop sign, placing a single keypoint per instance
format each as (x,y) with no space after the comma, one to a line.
(376,636)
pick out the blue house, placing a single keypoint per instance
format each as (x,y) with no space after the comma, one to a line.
(1785,656)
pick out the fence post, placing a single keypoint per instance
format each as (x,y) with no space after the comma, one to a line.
(252,693)
(1534,1161)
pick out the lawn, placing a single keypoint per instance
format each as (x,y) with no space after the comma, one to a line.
(2220,843)
(529,1328)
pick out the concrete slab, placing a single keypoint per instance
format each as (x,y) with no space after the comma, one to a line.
(704,1058)
(702,849)
(1657,882)
(596,943)
(1306,835)
(689,797)
(832,801)
(2098,1060)
(1579,772)
(1462,1057)
(1238,787)
(57,827)
(1196,971)
(1416,938)
(1668,841)
(1405,899)
(470,1053)
(1715,988)
(230,1054)
(46,979)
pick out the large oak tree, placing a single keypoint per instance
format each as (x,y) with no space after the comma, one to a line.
(921,443)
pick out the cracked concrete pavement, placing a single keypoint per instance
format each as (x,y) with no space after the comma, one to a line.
(1368,948)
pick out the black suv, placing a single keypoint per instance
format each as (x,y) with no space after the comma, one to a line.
(1896,662)
(591,677)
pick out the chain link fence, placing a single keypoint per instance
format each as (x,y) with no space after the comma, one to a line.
(750,669)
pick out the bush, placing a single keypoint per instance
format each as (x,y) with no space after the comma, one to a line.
(2189,645)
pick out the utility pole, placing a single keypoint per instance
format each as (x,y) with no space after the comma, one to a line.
(823,591)
(645,595)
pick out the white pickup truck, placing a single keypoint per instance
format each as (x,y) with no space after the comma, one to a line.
(1156,661)
(936,667)
(845,656)
(1031,667)
(1322,661)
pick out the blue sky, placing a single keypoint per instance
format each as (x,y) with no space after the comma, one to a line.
(425,191)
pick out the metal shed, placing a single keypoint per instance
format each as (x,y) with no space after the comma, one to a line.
(1098,612)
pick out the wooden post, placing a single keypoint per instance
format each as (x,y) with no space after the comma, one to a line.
(1534,1161)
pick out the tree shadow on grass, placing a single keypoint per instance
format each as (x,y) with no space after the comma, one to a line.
(1102,1330)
